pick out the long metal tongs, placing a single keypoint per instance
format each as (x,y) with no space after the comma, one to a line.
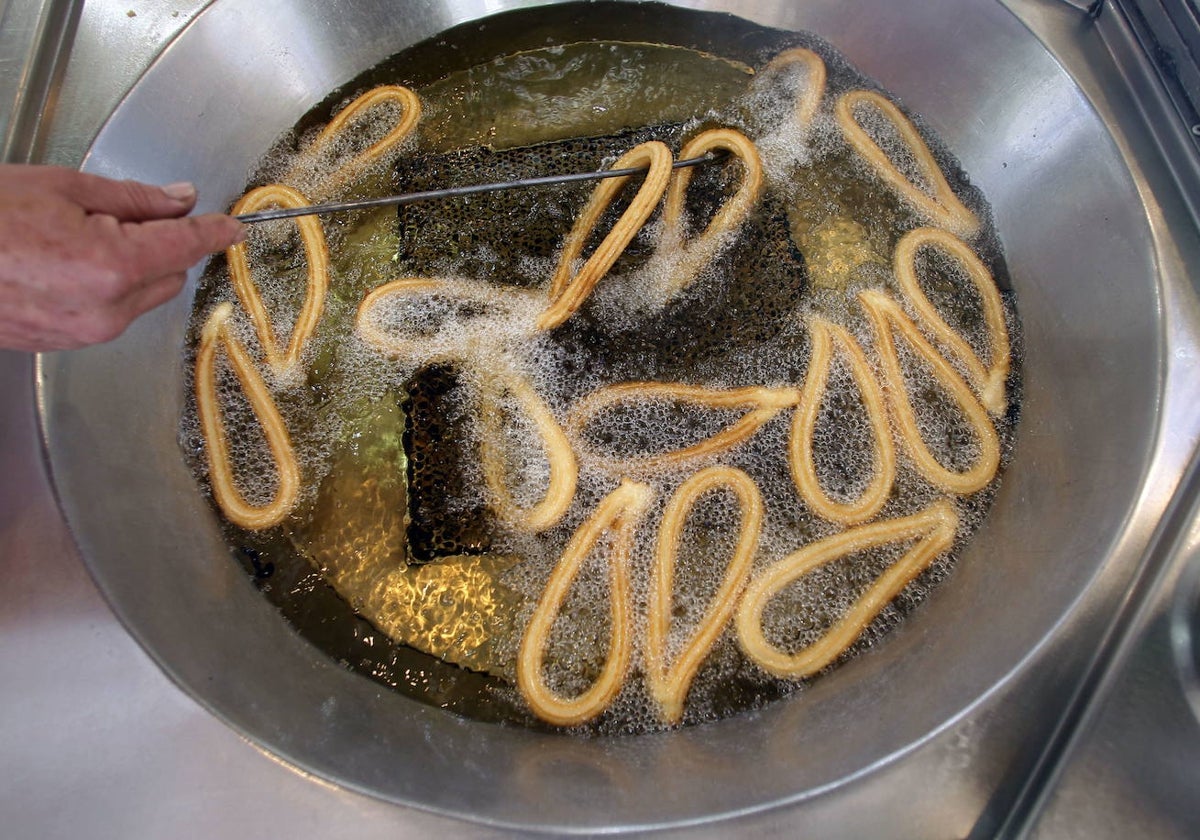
(451,192)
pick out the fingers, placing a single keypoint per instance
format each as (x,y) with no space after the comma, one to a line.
(171,246)
(148,265)
(82,256)
(105,321)
(128,201)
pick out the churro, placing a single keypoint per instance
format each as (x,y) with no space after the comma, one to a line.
(989,380)
(316,253)
(809,100)
(563,469)
(569,289)
(235,507)
(367,321)
(435,343)
(933,530)
(410,114)
(886,315)
(763,404)
(618,515)
(825,334)
(669,683)
(700,251)
(939,202)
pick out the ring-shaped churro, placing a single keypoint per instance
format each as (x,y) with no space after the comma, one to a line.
(567,291)
(988,380)
(763,404)
(563,469)
(933,529)
(887,315)
(316,253)
(814,91)
(618,514)
(700,251)
(804,472)
(941,205)
(366,321)
(669,683)
(410,114)
(235,507)
(437,346)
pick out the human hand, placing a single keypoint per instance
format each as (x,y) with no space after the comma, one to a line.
(82,256)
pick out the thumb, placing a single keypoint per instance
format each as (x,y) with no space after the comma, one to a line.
(128,201)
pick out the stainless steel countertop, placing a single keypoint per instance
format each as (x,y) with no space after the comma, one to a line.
(97,742)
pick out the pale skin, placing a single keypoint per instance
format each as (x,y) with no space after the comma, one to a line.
(82,256)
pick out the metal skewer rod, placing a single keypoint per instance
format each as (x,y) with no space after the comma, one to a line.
(452,192)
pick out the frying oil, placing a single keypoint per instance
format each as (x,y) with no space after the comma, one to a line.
(394,562)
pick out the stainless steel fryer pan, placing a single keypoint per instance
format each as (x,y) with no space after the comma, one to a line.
(1080,253)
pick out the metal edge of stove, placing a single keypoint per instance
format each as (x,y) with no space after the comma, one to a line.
(26,120)
(1124,761)
(35,41)
(1169,33)
(1159,70)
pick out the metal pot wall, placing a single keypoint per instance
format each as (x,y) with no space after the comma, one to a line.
(1081,258)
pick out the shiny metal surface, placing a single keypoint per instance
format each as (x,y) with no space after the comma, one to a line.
(253,671)
(249,667)
(1120,776)
(34,40)
(959,777)
(1124,759)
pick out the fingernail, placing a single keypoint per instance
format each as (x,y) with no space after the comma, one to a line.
(181,191)
(241,235)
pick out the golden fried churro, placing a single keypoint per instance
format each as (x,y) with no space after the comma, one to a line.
(460,342)
(669,684)
(220,473)
(824,335)
(939,203)
(618,514)
(567,291)
(763,404)
(808,102)
(410,114)
(370,330)
(699,252)
(316,253)
(886,315)
(933,529)
(563,469)
(988,381)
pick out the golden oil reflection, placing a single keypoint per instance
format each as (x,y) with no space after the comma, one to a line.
(834,247)
(454,608)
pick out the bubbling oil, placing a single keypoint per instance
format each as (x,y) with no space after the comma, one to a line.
(395,523)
